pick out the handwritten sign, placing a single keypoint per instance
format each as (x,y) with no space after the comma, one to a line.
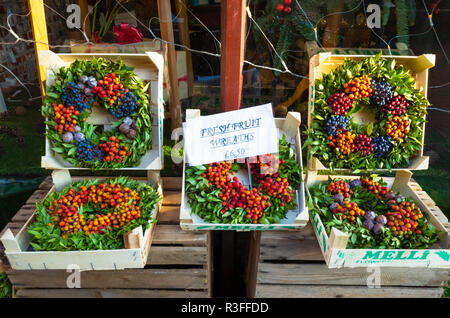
(232,135)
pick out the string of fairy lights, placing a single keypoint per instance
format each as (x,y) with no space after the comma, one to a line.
(285,68)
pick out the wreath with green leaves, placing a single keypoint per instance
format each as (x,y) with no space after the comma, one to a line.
(102,83)
(371,214)
(92,215)
(376,86)
(217,195)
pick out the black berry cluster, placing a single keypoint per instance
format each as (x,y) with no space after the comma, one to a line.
(363,144)
(127,106)
(72,95)
(336,123)
(88,151)
(382,92)
(340,103)
(396,105)
(382,146)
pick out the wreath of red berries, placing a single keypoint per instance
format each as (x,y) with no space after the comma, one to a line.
(376,85)
(98,83)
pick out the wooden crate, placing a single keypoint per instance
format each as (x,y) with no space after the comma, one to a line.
(149,67)
(334,246)
(179,264)
(134,255)
(291,265)
(323,63)
(297,218)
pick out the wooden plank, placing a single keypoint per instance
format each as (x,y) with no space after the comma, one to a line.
(252,265)
(36,196)
(24,214)
(189,278)
(171,197)
(109,293)
(312,291)
(165,16)
(169,214)
(173,234)
(291,248)
(183,27)
(39,28)
(233,20)
(46,184)
(319,274)
(85,22)
(177,255)
(172,183)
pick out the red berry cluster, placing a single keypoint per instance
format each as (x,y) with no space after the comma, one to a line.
(277,188)
(340,187)
(363,144)
(359,87)
(340,103)
(402,219)
(284,7)
(110,87)
(396,105)
(374,187)
(234,194)
(348,210)
(265,165)
(65,117)
(113,150)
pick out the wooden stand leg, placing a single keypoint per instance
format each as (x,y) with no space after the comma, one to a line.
(185,40)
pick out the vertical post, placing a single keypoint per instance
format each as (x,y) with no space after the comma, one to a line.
(233,21)
(39,28)
(84,12)
(183,27)
(165,16)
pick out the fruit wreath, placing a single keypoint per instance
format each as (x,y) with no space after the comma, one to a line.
(92,215)
(376,85)
(371,214)
(217,196)
(98,83)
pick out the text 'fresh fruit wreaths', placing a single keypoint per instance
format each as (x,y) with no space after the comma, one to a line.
(378,86)
(218,197)
(98,83)
(371,214)
(92,215)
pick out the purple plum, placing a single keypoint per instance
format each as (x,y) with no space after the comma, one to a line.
(339,198)
(378,228)
(79,136)
(381,219)
(370,215)
(355,183)
(67,137)
(368,224)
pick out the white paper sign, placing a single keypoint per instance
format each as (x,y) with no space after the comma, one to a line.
(232,135)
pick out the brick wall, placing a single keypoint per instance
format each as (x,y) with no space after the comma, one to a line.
(20,57)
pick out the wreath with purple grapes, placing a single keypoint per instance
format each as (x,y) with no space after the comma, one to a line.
(373,84)
(98,83)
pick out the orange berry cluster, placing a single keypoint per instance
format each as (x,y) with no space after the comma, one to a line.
(397,128)
(111,88)
(343,143)
(402,219)
(277,188)
(340,187)
(348,210)
(120,202)
(359,87)
(65,117)
(374,187)
(113,151)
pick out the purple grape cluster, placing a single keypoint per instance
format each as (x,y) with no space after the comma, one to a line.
(87,151)
(336,123)
(382,92)
(127,106)
(72,95)
(382,146)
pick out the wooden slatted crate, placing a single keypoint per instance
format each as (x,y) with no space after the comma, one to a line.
(291,265)
(178,264)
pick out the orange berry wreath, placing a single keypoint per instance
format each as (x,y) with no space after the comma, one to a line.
(92,215)
(376,85)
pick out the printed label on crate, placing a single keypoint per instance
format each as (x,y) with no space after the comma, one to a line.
(232,135)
